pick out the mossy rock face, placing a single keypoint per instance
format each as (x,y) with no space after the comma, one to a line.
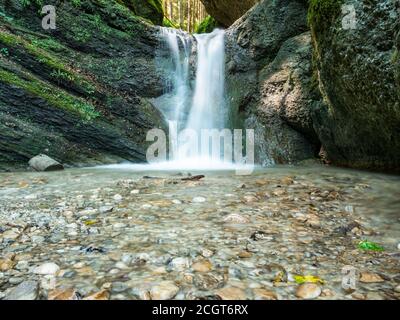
(80,93)
(148,9)
(358,74)
(322,13)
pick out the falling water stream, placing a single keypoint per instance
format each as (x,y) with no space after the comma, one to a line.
(193,104)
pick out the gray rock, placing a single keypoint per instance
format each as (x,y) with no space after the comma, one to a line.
(37,239)
(27,290)
(48,268)
(359,76)
(179,264)
(45,163)
(15,280)
(165,290)
(106,209)
(270,81)
(118,287)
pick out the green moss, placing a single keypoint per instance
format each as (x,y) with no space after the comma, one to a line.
(92,26)
(395,56)
(47,44)
(76,3)
(57,98)
(168,23)
(38,49)
(27,3)
(41,3)
(6,17)
(4,52)
(151,10)
(207,25)
(322,12)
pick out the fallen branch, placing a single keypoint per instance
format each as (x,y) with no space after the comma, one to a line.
(194,178)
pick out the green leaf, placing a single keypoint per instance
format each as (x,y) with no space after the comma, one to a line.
(370,246)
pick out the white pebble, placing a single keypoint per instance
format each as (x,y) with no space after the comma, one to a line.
(49,268)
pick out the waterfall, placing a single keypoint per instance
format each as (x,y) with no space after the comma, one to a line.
(203,107)
(180,48)
(208,106)
(193,105)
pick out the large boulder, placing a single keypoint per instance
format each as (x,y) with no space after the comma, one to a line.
(80,93)
(358,68)
(270,83)
(45,163)
(226,12)
(281,113)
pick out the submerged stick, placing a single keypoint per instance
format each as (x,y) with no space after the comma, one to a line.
(194,178)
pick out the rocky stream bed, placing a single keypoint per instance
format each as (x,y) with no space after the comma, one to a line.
(109,234)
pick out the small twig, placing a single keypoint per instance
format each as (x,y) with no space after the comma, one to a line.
(194,178)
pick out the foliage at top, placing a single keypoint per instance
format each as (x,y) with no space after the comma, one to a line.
(207,25)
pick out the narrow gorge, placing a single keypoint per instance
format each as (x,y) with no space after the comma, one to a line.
(199,150)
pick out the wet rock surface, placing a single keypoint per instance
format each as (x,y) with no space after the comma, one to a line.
(358,71)
(81,94)
(69,236)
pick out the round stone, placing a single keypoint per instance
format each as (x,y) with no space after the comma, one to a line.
(165,290)
(368,277)
(199,200)
(202,266)
(308,291)
(235,218)
(179,264)
(262,294)
(48,268)
(231,293)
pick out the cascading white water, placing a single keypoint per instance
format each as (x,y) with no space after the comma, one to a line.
(208,107)
(180,79)
(194,110)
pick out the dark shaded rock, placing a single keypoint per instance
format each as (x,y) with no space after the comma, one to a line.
(149,9)
(45,163)
(358,71)
(226,12)
(344,230)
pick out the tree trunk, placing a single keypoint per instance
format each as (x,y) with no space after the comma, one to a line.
(180,13)
(189,17)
